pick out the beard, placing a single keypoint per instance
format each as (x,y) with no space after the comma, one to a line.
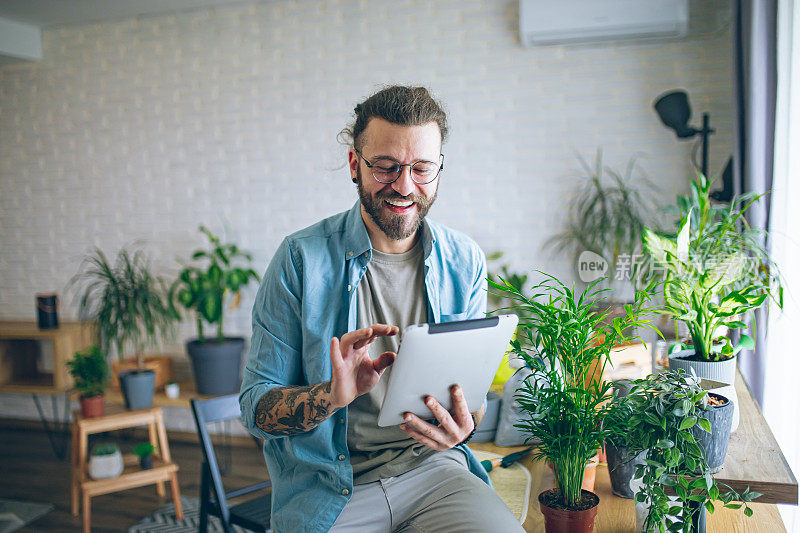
(396,227)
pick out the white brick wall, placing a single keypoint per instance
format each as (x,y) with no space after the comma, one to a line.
(145,128)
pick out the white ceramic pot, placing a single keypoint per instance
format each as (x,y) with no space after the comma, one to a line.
(172,390)
(105,466)
(723,371)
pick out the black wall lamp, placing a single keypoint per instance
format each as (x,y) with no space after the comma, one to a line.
(674,111)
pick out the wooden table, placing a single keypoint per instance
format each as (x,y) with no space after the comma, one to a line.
(18,371)
(754,460)
(84,488)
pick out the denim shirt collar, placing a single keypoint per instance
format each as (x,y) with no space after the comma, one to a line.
(356,238)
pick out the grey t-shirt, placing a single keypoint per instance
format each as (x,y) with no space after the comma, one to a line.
(392,292)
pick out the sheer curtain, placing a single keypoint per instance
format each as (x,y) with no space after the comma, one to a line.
(782,357)
(755,87)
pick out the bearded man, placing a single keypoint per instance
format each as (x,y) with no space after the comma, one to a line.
(326,324)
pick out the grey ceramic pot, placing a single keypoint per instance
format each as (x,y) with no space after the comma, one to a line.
(217,366)
(621,467)
(138,387)
(715,444)
(722,371)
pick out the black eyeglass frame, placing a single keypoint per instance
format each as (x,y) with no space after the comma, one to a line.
(400,169)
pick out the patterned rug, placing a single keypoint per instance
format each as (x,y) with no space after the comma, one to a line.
(14,514)
(163,520)
(512,484)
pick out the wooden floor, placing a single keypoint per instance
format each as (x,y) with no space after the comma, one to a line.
(30,471)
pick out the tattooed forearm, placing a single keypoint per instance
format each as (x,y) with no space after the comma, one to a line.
(290,410)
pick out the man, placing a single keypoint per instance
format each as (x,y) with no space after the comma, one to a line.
(326,323)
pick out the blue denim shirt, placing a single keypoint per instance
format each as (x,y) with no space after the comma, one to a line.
(307,296)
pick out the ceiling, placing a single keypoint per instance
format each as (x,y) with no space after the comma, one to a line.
(48,13)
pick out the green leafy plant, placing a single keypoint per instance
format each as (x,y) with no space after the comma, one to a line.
(125,301)
(662,411)
(105,448)
(714,270)
(144,449)
(517,279)
(566,343)
(607,214)
(89,370)
(204,290)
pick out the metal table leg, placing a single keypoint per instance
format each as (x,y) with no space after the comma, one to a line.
(57,430)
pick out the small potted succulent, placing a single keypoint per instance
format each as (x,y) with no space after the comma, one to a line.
(145,450)
(128,306)
(671,421)
(715,271)
(205,291)
(564,342)
(172,389)
(89,370)
(105,461)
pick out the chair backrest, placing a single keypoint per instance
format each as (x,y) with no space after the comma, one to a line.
(206,412)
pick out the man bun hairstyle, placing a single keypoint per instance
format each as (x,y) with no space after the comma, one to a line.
(405,106)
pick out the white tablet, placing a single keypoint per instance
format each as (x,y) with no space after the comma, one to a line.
(434,357)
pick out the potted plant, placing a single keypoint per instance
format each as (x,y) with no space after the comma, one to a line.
(128,306)
(206,290)
(89,370)
(606,217)
(621,461)
(172,389)
(105,461)
(563,340)
(714,271)
(673,482)
(145,450)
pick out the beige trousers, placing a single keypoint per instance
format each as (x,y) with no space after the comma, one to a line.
(440,495)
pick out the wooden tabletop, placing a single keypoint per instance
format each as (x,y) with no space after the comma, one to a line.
(618,515)
(26,329)
(754,460)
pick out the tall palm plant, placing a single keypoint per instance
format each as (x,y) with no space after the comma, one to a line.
(564,340)
(607,214)
(125,301)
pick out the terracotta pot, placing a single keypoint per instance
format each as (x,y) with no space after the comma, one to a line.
(565,521)
(92,407)
(589,473)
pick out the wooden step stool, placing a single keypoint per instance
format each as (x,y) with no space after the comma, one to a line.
(132,476)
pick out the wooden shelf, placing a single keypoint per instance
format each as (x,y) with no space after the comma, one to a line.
(42,384)
(160,399)
(132,476)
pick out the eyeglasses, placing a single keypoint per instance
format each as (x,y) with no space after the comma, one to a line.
(388,170)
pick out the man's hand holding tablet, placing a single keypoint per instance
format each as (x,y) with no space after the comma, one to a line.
(453,364)
(452,429)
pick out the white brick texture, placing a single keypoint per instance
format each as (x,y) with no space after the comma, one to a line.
(145,128)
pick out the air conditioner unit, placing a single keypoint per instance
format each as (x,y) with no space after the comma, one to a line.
(544,22)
